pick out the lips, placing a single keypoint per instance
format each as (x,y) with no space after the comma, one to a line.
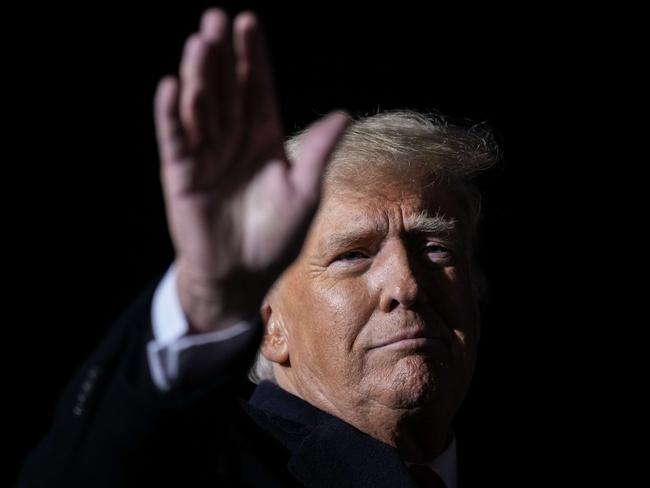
(415,336)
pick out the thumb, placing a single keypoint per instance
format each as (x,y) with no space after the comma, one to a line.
(314,151)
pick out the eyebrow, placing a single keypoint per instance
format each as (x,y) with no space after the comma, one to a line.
(436,224)
(423,223)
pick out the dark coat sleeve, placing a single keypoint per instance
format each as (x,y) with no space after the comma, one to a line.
(113,427)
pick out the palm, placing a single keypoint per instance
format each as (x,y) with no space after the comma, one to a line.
(234,203)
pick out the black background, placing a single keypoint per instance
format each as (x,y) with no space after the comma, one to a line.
(91,228)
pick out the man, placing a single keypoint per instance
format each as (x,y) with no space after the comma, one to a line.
(348,252)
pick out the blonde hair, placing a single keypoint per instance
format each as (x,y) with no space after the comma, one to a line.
(416,145)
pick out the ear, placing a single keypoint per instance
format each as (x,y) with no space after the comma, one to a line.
(275,344)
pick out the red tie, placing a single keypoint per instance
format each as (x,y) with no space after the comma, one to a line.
(426,477)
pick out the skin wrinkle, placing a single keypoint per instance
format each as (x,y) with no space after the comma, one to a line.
(334,313)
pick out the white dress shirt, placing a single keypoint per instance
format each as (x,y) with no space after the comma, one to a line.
(173,355)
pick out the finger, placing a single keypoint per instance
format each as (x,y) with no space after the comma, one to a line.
(213,26)
(177,171)
(169,131)
(254,72)
(216,30)
(193,109)
(315,148)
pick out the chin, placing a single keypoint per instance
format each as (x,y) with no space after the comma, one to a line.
(411,382)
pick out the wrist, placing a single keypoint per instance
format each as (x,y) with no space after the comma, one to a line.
(210,306)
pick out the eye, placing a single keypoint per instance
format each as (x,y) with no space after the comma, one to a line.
(351,256)
(439,252)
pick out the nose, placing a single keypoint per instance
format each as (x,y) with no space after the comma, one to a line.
(399,285)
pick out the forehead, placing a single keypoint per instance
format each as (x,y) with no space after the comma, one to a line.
(382,203)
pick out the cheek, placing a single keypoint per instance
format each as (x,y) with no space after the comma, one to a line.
(340,311)
(350,302)
(454,297)
(464,320)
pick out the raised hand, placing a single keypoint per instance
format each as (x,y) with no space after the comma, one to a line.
(237,208)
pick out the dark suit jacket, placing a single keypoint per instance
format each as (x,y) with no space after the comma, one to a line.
(112,427)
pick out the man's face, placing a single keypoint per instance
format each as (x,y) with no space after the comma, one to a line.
(378,308)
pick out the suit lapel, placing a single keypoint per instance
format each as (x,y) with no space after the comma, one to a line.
(329,452)
(336,454)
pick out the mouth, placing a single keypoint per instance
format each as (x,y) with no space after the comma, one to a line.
(410,340)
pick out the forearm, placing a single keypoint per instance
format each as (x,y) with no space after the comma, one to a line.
(112,423)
